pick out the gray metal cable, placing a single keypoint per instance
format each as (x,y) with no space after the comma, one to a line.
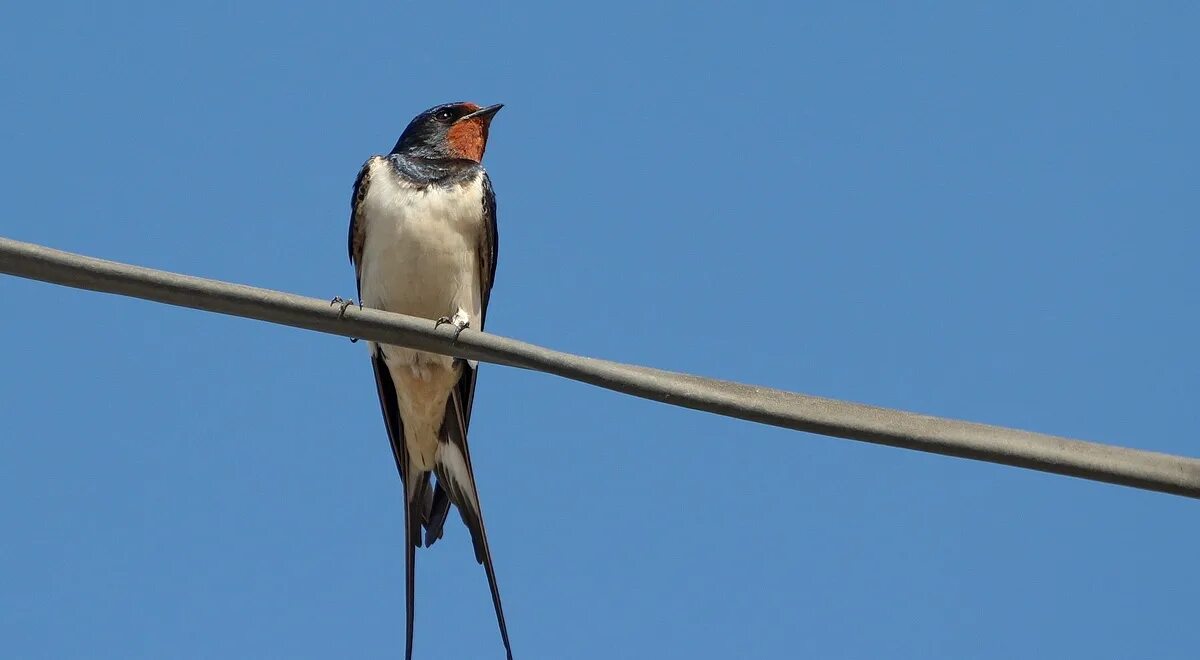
(1087,460)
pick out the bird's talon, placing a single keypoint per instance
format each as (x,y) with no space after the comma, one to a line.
(460,320)
(338,300)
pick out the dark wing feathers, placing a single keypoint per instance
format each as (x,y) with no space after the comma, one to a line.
(489,252)
(357,234)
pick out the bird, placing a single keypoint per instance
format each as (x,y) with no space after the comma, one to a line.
(423,242)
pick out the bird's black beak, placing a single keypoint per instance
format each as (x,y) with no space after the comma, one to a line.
(483,113)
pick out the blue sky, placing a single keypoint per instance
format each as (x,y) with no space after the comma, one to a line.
(983,212)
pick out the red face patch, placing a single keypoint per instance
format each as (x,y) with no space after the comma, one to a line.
(468,138)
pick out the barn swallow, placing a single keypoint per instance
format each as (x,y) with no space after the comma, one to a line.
(423,242)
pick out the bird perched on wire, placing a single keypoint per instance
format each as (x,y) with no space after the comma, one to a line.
(423,242)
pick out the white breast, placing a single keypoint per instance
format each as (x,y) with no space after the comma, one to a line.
(420,254)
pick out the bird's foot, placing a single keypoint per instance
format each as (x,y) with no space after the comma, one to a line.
(460,320)
(343,304)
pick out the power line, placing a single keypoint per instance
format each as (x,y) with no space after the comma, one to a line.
(1035,451)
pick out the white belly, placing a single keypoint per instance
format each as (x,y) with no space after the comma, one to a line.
(420,257)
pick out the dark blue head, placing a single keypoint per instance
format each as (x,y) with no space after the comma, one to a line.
(451,130)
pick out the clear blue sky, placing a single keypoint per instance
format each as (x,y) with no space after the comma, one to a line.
(984,213)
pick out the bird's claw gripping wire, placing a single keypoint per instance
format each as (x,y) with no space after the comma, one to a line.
(344,303)
(460,321)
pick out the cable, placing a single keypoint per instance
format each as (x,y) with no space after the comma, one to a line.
(1035,451)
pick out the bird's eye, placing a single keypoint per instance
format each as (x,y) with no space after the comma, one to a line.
(444,115)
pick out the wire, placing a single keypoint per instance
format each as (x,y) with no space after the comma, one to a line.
(1165,473)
